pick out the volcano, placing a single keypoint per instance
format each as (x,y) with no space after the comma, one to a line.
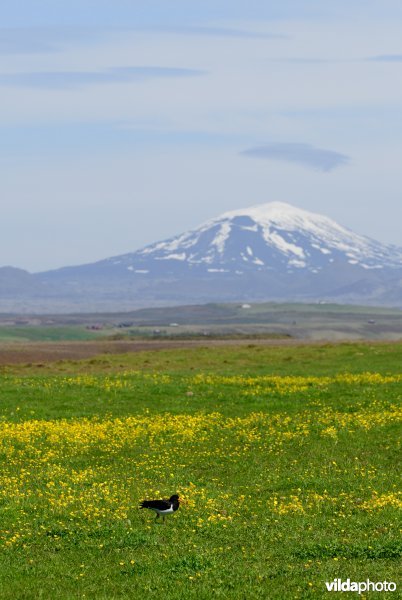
(272,251)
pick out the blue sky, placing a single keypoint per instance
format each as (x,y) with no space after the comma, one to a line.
(125,122)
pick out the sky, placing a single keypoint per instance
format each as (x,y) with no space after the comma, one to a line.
(125,122)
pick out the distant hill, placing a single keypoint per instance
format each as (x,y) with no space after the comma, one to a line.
(17,281)
(269,252)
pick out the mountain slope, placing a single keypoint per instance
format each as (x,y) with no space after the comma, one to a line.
(268,252)
(274,236)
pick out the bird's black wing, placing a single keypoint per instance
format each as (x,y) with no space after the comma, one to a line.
(158,504)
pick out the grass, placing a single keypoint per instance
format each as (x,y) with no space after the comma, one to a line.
(287,458)
(269,319)
(32,333)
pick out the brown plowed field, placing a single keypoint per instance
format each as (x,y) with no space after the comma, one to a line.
(38,352)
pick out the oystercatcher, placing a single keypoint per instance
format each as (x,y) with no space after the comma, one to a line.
(162,507)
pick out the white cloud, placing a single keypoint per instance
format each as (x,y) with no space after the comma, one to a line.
(305,155)
(78,79)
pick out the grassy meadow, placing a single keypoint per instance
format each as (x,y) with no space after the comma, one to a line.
(287,458)
(317,321)
(31,333)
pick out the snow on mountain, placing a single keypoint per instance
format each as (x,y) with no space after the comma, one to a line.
(268,252)
(274,236)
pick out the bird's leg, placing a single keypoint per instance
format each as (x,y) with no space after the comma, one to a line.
(163,519)
(157,516)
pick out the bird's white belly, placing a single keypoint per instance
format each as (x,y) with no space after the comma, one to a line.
(167,511)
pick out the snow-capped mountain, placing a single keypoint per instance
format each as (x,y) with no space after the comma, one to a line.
(272,251)
(274,236)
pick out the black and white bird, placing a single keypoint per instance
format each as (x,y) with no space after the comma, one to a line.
(162,507)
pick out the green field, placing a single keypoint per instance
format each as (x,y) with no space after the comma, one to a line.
(287,459)
(32,333)
(319,321)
